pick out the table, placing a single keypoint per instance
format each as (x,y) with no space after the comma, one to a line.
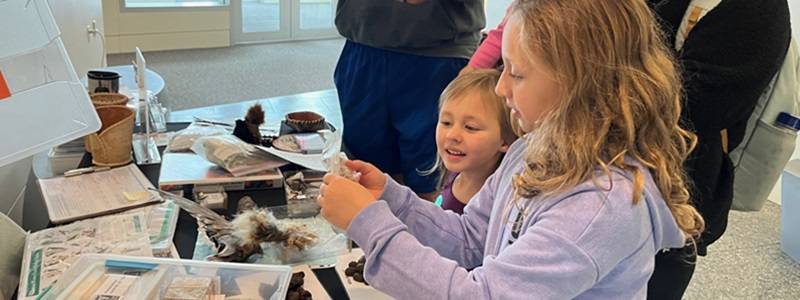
(356,290)
(324,103)
(154,82)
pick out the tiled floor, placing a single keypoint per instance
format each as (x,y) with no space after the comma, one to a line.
(204,77)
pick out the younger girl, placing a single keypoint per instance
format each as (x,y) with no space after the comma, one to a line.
(581,205)
(473,133)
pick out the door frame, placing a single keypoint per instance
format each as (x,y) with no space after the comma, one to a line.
(289,11)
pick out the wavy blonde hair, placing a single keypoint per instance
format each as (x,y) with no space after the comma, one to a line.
(621,97)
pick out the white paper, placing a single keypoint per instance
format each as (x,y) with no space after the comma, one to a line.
(355,289)
(311,161)
(114,286)
(71,198)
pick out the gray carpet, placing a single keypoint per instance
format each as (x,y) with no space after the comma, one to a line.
(746,263)
(203,77)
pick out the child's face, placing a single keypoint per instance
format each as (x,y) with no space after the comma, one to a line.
(529,88)
(468,135)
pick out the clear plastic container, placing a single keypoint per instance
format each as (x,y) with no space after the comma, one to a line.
(328,241)
(329,244)
(99,276)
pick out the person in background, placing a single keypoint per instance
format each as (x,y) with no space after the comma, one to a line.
(398,57)
(488,54)
(579,206)
(727,59)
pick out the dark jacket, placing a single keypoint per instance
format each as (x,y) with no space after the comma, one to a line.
(438,28)
(727,61)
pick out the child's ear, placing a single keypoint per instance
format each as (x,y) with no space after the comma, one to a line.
(504,148)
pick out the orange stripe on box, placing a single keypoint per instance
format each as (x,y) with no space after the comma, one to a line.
(4,91)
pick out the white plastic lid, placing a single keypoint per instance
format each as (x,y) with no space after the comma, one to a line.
(42,103)
(154,276)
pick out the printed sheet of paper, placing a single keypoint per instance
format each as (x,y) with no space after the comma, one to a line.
(162,220)
(94,194)
(50,252)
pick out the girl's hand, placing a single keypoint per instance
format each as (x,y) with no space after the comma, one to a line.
(342,200)
(372,178)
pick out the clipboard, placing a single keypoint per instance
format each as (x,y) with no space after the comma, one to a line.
(95,194)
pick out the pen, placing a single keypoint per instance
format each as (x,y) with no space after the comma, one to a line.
(88,170)
(201,120)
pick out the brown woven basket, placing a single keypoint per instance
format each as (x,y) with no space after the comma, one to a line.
(106,99)
(305,121)
(111,146)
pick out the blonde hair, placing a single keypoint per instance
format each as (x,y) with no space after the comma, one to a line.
(482,82)
(621,97)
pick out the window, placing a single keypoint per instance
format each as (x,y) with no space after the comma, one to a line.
(173,3)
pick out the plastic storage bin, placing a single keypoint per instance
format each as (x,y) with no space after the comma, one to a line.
(790,209)
(100,276)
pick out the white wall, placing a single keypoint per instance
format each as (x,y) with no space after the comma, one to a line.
(73,16)
(164,28)
(495,10)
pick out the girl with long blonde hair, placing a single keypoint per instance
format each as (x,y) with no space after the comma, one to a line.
(579,206)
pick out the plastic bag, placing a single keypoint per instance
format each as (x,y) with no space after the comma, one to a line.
(336,166)
(236,156)
(334,159)
(302,192)
(184,139)
(305,143)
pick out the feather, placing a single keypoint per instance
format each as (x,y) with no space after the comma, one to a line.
(237,240)
(203,214)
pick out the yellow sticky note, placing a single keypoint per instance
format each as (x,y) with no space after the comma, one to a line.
(136,196)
